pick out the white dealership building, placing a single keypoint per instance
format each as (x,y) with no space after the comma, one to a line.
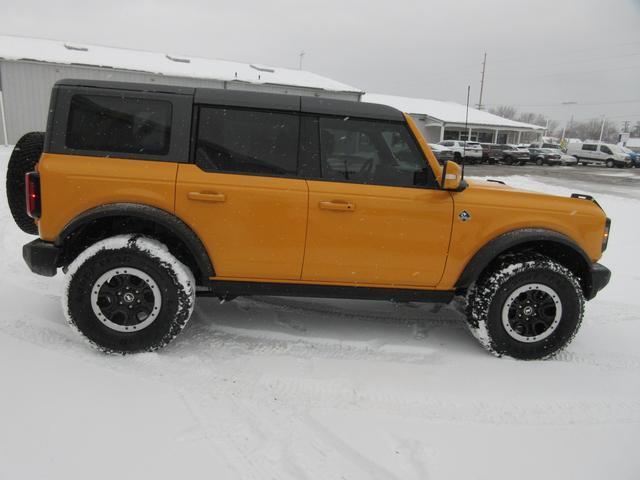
(30,66)
(440,120)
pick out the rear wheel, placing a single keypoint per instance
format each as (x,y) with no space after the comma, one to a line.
(128,294)
(526,306)
(24,158)
(539,161)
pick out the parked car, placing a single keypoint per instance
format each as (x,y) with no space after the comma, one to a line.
(509,154)
(146,195)
(443,154)
(486,148)
(464,152)
(600,153)
(634,156)
(565,159)
(553,146)
(543,156)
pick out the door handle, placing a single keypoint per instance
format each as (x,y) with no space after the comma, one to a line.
(338,206)
(207,197)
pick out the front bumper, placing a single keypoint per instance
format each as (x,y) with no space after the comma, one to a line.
(600,276)
(41,257)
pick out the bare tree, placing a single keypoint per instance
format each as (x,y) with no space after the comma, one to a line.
(590,130)
(510,112)
(505,111)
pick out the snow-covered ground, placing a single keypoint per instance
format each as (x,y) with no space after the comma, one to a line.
(318,389)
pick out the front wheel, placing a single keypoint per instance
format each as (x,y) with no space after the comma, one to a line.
(527,307)
(539,162)
(128,294)
(610,163)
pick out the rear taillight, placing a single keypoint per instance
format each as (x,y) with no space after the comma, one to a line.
(605,237)
(32,189)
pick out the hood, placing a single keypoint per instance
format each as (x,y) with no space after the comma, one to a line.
(498,193)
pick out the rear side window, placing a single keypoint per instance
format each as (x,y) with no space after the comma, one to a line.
(119,124)
(591,148)
(247,141)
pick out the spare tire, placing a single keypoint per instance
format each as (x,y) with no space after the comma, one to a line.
(23,160)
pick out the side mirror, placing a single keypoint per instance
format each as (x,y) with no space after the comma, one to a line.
(452,177)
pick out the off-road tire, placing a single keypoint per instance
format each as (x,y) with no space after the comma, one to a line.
(174,281)
(23,160)
(487,297)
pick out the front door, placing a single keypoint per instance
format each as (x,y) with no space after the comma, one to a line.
(241,196)
(372,220)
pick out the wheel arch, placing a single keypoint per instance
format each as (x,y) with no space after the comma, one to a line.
(106,220)
(552,244)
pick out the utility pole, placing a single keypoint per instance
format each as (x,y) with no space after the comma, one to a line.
(602,129)
(484,66)
(564,130)
(302,54)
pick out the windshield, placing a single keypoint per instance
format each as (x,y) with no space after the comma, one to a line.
(616,149)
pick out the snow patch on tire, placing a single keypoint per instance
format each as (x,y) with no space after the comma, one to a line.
(481,294)
(150,246)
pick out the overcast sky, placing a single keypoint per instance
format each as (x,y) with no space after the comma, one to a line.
(539,53)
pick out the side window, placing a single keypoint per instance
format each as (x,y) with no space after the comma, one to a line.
(247,141)
(605,149)
(119,124)
(590,148)
(371,152)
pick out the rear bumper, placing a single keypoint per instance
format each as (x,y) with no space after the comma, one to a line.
(41,257)
(600,276)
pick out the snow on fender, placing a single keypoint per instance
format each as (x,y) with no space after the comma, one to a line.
(128,294)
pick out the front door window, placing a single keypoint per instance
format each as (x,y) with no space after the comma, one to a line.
(370,152)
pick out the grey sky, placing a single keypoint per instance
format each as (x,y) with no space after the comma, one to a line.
(540,53)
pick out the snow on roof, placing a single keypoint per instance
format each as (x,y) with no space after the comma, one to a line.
(54,51)
(447,112)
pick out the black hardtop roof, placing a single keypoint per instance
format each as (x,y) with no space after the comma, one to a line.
(247,99)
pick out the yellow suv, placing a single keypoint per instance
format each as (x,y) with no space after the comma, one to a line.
(148,195)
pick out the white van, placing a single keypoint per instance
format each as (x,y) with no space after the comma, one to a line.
(602,153)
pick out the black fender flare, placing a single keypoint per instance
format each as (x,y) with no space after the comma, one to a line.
(533,237)
(146,212)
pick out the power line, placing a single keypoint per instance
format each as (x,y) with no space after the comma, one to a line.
(564,52)
(558,104)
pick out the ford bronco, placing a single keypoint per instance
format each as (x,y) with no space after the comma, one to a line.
(149,195)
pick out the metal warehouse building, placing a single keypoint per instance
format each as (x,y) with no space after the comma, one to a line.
(440,120)
(29,67)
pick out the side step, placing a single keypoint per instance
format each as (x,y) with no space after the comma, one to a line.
(224,288)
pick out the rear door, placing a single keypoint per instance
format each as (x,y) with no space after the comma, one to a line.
(242,195)
(590,151)
(375,217)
